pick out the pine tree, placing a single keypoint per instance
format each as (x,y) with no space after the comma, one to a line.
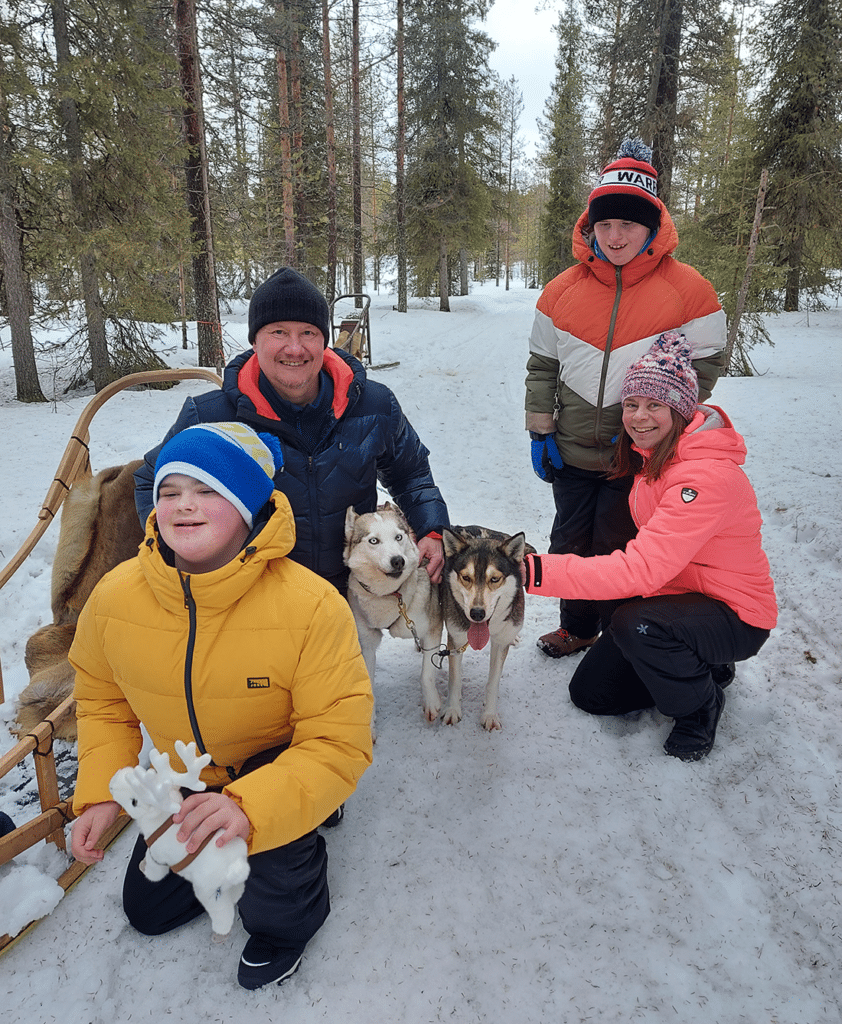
(715,237)
(449,121)
(655,57)
(197,191)
(799,138)
(564,157)
(16,293)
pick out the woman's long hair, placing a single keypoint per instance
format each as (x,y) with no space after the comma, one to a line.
(628,462)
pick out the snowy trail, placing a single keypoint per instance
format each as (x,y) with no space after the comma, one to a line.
(563,870)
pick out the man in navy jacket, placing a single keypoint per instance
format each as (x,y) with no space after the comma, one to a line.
(340,432)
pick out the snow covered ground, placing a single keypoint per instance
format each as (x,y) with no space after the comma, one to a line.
(563,870)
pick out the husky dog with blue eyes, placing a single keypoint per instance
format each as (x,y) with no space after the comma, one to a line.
(388,590)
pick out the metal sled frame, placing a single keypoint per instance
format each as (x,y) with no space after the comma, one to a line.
(352,331)
(56,812)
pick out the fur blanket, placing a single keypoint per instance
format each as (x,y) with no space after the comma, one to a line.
(99,529)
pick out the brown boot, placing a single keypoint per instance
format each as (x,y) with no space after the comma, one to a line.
(560,643)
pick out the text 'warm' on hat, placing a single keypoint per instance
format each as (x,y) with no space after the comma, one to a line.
(628,188)
(229,457)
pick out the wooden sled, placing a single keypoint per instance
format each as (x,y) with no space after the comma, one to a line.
(56,811)
(351,326)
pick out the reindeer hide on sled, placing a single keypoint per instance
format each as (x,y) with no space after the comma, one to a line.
(99,529)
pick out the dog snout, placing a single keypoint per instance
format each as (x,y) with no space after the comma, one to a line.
(478,614)
(397,563)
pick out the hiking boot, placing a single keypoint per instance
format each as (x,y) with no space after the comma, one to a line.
(332,820)
(263,963)
(692,736)
(560,643)
(723,674)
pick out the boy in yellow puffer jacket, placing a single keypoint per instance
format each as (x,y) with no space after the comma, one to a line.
(212,634)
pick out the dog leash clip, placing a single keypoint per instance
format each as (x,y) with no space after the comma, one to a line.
(445,652)
(438,658)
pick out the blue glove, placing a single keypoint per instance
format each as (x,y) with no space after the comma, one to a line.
(545,456)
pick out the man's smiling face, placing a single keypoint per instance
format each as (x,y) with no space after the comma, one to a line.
(290,354)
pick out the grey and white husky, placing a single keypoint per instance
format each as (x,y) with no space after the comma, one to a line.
(482,601)
(387,589)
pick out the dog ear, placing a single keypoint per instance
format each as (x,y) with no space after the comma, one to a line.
(452,543)
(514,547)
(350,520)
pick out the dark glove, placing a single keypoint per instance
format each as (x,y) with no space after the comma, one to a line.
(545,456)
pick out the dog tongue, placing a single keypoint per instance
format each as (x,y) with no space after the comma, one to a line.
(478,635)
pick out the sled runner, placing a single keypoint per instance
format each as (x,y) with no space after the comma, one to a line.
(56,811)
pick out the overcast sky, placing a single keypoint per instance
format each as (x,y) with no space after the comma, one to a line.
(526,48)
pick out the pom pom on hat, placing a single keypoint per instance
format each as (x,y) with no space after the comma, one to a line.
(288,295)
(229,457)
(665,373)
(628,188)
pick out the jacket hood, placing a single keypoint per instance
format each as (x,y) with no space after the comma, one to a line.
(223,586)
(663,244)
(711,435)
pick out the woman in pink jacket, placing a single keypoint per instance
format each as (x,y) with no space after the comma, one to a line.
(693,589)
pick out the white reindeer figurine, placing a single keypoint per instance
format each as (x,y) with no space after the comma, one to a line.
(151,796)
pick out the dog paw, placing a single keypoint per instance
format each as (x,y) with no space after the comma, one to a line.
(431,710)
(451,715)
(490,721)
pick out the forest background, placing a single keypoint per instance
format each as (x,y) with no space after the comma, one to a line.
(158,159)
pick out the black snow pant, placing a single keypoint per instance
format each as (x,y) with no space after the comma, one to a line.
(658,652)
(285,898)
(592,518)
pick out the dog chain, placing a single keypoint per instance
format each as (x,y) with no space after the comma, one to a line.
(409,623)
(442,652)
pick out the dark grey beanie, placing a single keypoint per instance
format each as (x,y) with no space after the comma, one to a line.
(288,295)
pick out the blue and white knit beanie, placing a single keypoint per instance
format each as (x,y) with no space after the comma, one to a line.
(665,373)
(229,457)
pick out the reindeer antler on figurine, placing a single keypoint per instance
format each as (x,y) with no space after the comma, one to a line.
(151,796)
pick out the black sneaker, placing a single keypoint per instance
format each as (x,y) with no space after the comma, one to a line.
(332,820)
(692,736)
(263,963)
